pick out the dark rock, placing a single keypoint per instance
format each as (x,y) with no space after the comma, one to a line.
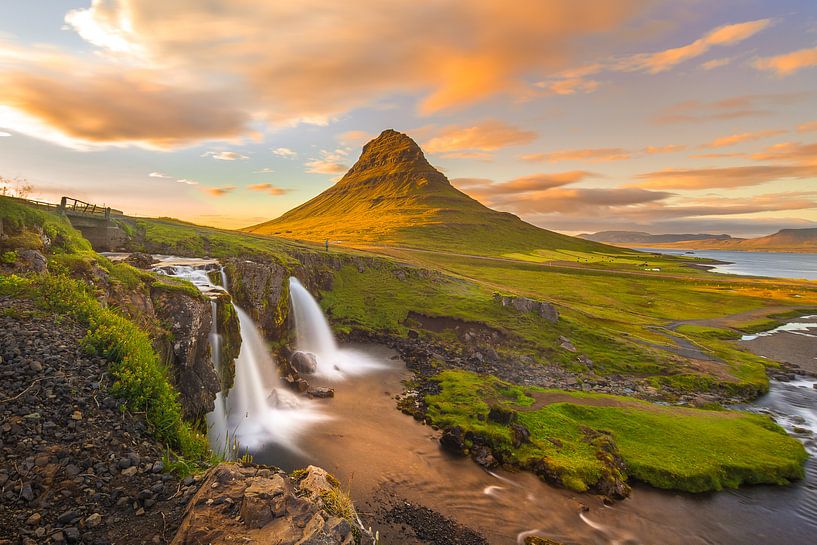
(501,415)
(519,435)
(484,456)
(304,362)
(32,260)
(140,260)
(453,440)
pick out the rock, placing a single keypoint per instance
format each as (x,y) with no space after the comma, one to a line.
(32,260)
(140,260)
(76,415)
(93,521)
(190,319)
(536,540)
(566,344)
(321,392)
(519,435)
(501,415)
(157,467)
(264,500)
(304,362)
(525,305)
(34,519)
(68,517)
(130,471)
(71,534)
(316,482)
(484,457)
(453,440)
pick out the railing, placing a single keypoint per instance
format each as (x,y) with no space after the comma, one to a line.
(72,206)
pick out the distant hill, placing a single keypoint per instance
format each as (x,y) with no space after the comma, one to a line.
(393,196)
(622,237)
(785,240)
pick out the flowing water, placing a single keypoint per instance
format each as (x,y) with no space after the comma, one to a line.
(382,454)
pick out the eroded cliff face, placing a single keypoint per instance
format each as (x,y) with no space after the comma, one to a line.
(261,288)
(189,322)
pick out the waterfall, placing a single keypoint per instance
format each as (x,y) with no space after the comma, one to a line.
(312,331)
(256,411)
(313,334)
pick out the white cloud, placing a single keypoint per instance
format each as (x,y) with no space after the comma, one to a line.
(225,155)
(159,175)
(284,152)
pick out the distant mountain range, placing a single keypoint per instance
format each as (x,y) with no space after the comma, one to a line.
(785,240)
(392,196)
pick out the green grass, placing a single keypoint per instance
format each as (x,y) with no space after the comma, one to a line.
(26,226)
(139,376)
(674,448)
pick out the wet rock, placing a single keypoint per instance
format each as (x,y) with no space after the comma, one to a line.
(484,456)
(304,362)
(536,540)
(321,392)
(453,440)
(140,260)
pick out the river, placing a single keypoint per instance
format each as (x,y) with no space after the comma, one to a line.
(769,264)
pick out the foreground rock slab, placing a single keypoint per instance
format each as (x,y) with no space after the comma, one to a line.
(260,505)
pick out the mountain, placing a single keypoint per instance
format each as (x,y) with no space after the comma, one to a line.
(393,196)
(785,240)
(638,237)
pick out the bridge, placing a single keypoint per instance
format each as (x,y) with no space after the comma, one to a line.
(96,223)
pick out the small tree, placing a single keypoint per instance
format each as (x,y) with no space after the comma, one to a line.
(15,187)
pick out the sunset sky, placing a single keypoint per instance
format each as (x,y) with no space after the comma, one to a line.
(678,116)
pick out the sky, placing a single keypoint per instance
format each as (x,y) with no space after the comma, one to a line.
(661,116)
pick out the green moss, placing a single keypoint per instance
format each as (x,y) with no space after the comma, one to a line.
(9,258)
(677,448)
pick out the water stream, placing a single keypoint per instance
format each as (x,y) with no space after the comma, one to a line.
(382,454)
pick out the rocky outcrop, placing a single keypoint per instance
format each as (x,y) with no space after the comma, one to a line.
(261,288)
(254,504)
(140,260)
(229,345)
(189,321)
(525,305)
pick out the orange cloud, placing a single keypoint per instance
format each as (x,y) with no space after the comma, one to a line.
(728,177)
(269,188)
(733,139)
(219,191)
(573,85)
(670,148)
(595,155)
(715,63)
(728,108)
(807,127)
(225,155)
(481,187)
(788,63)
(485,136)
(354,53)
(789,152)
(724,35)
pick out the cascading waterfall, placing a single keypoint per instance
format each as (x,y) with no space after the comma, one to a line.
(255,412)
(312,331)
(313,334)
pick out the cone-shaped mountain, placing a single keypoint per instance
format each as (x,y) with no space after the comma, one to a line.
(393,196)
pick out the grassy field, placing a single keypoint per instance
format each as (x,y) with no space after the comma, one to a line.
(576,434)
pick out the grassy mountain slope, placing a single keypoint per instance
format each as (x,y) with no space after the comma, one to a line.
(393,196)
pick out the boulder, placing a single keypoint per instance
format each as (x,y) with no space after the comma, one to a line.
(484,456)
(501,415)
(32,260)
(519,435)
(140,260)
(304,362)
